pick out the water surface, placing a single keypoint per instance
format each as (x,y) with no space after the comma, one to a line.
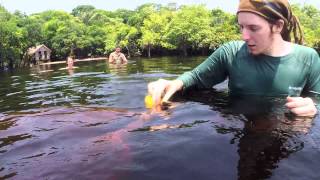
(91,123)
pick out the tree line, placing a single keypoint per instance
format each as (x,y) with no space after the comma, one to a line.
(151,29)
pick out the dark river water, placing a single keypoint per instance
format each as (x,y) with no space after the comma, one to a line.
(92,123)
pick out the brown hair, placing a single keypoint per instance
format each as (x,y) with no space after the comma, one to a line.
(272,11)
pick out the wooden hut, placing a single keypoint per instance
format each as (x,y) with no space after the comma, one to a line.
(39,54)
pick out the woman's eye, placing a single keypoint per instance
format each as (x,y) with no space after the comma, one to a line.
(240,27)
(254,29)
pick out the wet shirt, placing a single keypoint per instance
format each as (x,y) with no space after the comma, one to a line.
(257,75)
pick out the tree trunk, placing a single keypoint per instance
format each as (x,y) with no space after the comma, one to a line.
(128,52)
(10,64)
(71,51)
(204,51)
(149,51)
(184,50)
(1,61)
(23,60)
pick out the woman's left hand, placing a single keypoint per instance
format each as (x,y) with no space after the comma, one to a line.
(301,106)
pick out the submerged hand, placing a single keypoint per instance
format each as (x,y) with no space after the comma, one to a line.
(162,90)
(301,106)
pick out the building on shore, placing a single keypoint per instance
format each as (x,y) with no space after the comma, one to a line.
(39,54)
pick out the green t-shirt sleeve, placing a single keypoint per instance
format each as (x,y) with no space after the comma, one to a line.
(212,71)
(313,81)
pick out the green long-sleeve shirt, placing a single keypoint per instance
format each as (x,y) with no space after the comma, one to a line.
(257,75)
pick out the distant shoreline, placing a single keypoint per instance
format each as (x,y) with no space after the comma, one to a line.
(76,60)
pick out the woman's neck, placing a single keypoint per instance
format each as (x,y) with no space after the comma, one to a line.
(279,47)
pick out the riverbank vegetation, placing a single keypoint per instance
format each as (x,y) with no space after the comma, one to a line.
(149,30)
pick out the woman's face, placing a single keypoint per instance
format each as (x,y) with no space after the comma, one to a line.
(256,32)
(70,61)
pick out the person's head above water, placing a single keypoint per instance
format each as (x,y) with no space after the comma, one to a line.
(273,11)
(70,61)
(263,21)
(118,49)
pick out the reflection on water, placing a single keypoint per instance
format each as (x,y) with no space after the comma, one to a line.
(118,69)
(264,141)
(268,133)
(167,126)
(93,124)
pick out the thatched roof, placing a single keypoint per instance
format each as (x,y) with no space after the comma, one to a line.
(33,50)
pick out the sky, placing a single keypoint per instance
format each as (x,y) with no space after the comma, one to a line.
(35,6)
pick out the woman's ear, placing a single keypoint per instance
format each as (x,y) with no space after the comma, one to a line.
(278,26)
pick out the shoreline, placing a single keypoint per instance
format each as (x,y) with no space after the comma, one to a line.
(76,60)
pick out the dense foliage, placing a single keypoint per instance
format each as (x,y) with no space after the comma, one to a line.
(151,29)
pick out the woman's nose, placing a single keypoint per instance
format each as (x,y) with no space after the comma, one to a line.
(245,35)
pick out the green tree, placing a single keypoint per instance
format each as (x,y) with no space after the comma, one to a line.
(96,36)
(84,13)
(189,26)
(152,27)
(223,29)
(32,32)
(141,13)
(123,14)
(122,36)
(153,30)
(11,39)
(309,18)
(64,33)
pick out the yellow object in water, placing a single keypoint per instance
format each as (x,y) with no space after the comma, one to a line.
(148,101)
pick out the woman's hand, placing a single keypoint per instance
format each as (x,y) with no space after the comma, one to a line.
(161,90)
(301,106)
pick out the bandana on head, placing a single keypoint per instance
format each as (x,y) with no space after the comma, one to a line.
(272,10)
